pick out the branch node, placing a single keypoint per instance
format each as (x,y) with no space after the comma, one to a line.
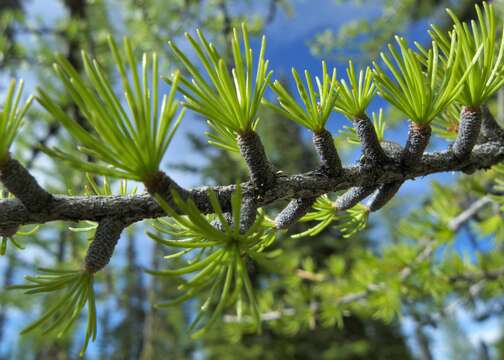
(353,196)
(371,149)
(329,160)
(418,139)
(18,181)
(162,185)
(252,150)
(295,210)
(468,132)
(102,247)
(383,195)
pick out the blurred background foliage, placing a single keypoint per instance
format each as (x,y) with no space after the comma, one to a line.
(411,261)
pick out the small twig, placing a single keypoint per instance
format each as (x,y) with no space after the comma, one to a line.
(490,129)
(329,159)
(371,149)
(296,209)
(252,150)
(102,247)
(383,195)
(308,275)
(468,132)
(469,213)
(352,197)
(488,275)
(248,213)
(18,180)
(418,139)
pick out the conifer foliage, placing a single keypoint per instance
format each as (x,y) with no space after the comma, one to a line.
(219,230)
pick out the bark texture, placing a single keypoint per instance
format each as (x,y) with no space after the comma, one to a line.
(295,210)
(312,184)
(23,185)
(353,196)
(372,152)
(384,194)
(102,247)
(468,132)
(330,163)
(418,139)
(162,185)
(490,129)
(252,150)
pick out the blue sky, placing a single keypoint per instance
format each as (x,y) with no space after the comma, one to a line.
(287,37)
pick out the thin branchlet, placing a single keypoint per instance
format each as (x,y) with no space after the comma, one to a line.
(24,186)
(312,184)
(330,162)
(102,247)
(352,197)
(383,195)
(252,150)
(371,150)
(392,149)
(468,131)
(295,210)
(8,231)
(248,212)
(218,225)
(163,185)
(418,139)
(490,129)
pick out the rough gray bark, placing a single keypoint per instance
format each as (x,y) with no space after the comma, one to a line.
(23,185)
(330,163)
(252,150)
(468,132)
(392,149)
(102,247)
(384,194)
(162,185)
(418,139)
(372,152)
(353,196)
(490,129)
(311,184)
(248,212)
(295,210)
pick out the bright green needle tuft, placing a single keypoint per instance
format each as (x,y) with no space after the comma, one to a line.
(129,140)
(228,98)
(217,257)
(317,105)
(11,117)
